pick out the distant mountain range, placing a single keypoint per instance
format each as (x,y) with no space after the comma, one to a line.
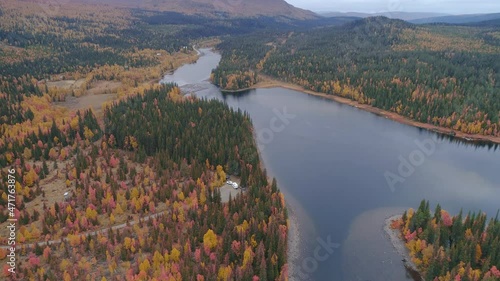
(228,8)
(276,9)
(392,15)
(423,18)
(459,19)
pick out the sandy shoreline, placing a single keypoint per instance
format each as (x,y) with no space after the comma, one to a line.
(293,253)
(399,245)
(269,82)
(294,233)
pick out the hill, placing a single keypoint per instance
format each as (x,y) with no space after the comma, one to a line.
(488,23)
(128,204)
(441,75)
(218,8)
(408,16)
(458,19)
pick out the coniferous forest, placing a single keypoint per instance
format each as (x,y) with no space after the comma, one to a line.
(149,165)
(170,180)
(446,76)
(119,177)
(446,247)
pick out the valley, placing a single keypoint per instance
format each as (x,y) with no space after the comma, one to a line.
(246,140)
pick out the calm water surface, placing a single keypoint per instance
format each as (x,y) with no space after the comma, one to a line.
(331,160)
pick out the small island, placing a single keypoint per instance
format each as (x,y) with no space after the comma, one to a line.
(442,247)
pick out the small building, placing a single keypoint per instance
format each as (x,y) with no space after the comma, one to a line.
(68,195)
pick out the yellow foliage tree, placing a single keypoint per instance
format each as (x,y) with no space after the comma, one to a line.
(64,265)
(30,178)
(210,239)
(127,243)
(247,257)
(87,133)
(90,213)
(157,260)
(66,276)
(145,265)
(224,273)
(175,254)
(27,153)
(221,175)
(479,252)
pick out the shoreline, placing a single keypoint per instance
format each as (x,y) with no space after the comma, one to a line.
(293,223)
(293,247)
(399,245)
(269,82)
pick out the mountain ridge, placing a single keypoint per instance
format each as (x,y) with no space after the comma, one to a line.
(408,16)
(459,19)
(216,8)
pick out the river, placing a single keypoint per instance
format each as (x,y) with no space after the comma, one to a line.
(344,170)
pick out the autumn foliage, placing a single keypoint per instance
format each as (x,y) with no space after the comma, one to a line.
(448,248)
(179,229)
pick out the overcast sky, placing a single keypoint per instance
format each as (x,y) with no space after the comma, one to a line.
(375,6)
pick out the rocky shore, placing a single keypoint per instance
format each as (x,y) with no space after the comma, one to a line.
(399,244)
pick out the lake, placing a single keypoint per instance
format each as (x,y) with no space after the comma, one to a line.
(344,170)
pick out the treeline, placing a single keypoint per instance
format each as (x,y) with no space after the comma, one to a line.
(446,247)
(77,57)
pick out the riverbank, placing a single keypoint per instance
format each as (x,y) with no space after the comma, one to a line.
(295,231)
(293,254)
(400,247)
(367,250)
(269,82)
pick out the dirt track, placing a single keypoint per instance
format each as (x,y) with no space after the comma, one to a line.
(91,233)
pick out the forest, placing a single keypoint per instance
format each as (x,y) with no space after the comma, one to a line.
(40,45)
(131,192)
(151,163)
(125,174)
(241,56)
(443,75)
(446,247)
